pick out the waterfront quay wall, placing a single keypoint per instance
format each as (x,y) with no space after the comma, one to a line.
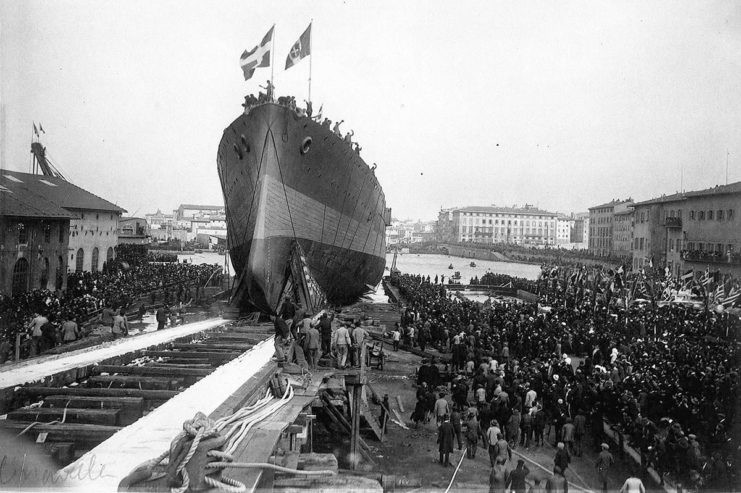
(530,257)
(472,252)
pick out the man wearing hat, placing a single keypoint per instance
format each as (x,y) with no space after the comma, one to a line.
(517,477)
(603,465)
(445,438)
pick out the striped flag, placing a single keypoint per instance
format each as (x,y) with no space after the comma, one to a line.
(733,295)
(300,49)
(259,56)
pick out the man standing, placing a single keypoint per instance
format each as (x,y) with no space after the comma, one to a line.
(445,437)
(473,431)
(567,435)
(517,477)
(35,329)
(161,317)
(359,335)
(325,328)
(396,337)
(580,428)
(603,465)
(563,458)
(633,485)
(281,334)
(312,344)
(442,409)
(341,341)
(455,420)
(502,452)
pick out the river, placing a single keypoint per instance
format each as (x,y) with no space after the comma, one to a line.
(415,264)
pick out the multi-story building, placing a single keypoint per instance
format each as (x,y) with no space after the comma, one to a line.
(601,226)
(186,211)
(481,224)
(133,230)
(622,232)
(564,225)
(159,219)
(580,233)
(697,230)
(34,240)
(93,233)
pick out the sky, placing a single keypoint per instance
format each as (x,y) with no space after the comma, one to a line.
(563,105)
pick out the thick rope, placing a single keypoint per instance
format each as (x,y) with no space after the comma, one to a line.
(463,454)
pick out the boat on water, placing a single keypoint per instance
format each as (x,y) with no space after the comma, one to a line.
(456,276)
(306,215)
(450,266)
(472,264)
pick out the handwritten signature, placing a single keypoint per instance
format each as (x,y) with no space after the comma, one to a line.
(17,470)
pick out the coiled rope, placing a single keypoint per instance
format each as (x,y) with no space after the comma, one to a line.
(236,427)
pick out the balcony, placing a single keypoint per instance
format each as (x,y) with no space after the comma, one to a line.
(711,257)
(673,222)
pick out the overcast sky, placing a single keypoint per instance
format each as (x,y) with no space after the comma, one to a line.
(564,105)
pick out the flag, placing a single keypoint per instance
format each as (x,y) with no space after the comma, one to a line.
(688,275)
(35,130)
(318,116)
(259,56)
(733,295)
(41,129)
(300,49)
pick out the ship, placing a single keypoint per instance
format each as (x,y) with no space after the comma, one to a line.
(306,215)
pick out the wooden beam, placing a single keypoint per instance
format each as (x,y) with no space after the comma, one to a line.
(171,371)
(182,355)
(107,417)
(135,382)
(365,410)
(211,346)
(355,434)
(156,395)
(131,408)
(64,432)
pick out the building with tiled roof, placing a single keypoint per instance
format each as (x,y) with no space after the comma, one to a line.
(92,234)
(491,224)
(34,243)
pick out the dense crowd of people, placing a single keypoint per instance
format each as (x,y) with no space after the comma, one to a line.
(665,377)
(89,294)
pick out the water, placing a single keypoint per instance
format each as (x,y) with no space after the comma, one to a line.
(437,265)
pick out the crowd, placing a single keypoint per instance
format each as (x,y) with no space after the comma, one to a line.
(666,378)
(89,295)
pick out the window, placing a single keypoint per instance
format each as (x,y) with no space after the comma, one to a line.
(22,236)
(47,233)
(20,277)
(679,213)
(671,245)
(61,233)
(94,260)
(60,273)
(80,259)
(692,215)
(44,278)
(730,214)
(710,215)
(719,215)
(701,216)
(679,245)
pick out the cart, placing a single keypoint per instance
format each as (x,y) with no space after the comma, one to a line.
(375,354)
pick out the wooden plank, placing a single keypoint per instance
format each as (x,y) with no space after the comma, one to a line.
(193,362)
(183,355)
(152,370)
(343,423)
(64,432)
(154,395)
(131,407)
(211,347)
(245,338)
(401,421)
(355,435)
(107,417)
(257,448)
(135,382)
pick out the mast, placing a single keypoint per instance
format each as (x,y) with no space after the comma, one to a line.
(272,64)
(311,57)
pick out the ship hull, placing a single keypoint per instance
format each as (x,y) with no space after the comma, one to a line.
(289,181)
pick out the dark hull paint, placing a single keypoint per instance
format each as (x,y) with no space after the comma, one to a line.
(326,199)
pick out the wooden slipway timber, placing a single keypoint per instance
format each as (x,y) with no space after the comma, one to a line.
(78,400)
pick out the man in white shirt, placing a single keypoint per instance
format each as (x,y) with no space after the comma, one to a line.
(341,341)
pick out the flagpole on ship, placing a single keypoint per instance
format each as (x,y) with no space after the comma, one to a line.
(311,52)
(272,64)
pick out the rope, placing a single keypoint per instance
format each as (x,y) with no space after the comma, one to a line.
(201,428)
(463,454)
(55,422)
